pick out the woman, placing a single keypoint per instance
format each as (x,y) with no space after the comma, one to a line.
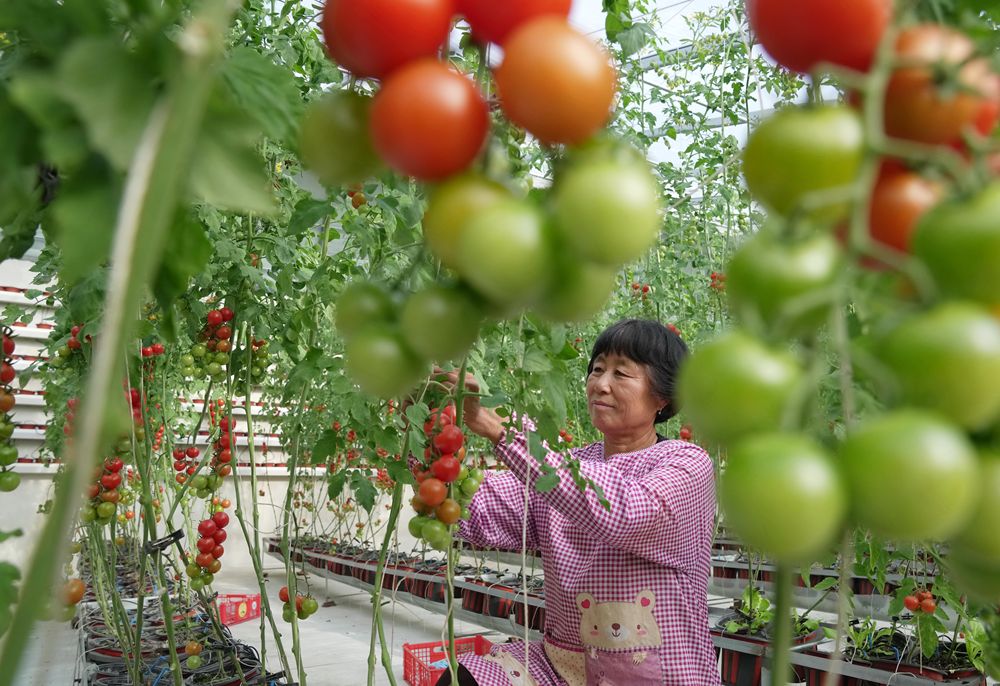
(625,588)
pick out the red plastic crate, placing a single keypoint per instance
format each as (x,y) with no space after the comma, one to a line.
(236,608)
(419,659)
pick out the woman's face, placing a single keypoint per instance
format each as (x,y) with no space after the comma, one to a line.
(619,396)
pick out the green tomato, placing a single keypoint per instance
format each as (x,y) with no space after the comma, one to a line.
(979,539)
(309,605)
(87,514)
(948,360)
(577,292)
(607,210)
(774,282)
(199,482)
(912,476)
(214,369)
(188,371)
(221,358)
(451,206)
(362,304)
(381,363)
(193,661)
(207,578)
(416,526)
(433,530)
(440,322)
(202,493)
(8,455)
(288,613)
(783,496)
(106,510)
(477,474)
(187,360)
(800,151)
(193,570)
(959,241)
(6,430)
(213,481)
(198,350)
(469,487)
(57,361)
(503,252)
(197,583)
(64,352)
(334,141)
(734,385)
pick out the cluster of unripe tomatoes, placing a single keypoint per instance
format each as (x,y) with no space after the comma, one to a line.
(303,607)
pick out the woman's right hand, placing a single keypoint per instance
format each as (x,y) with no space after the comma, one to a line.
(482,421)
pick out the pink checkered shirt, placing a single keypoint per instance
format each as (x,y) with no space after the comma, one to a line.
(648,558)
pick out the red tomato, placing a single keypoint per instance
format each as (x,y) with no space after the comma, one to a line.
(432,492)
(448,512)
(898,201)
(918,108)
(372,38)
(429,121)
(7,373)
(218,551)
(206,545)
(493,21)
(449,440)
(555,82)
(928,605)
(220,535)
(207,527)
(801,35)
(283,594)
(446,469)
(221,519)
(214,318)
(227,314)
(911,602)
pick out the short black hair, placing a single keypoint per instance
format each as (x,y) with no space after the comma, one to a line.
(650,343)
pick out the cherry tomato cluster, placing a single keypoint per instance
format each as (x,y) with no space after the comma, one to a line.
(211,355)
(921,601)
(558,255)
(104,493)
(206,565)
(304,606)
(565,436)
(62,605)
(928,221)
(9,479)
(193,651)
(258,356)
(717,282)
(640,290)
(686,434)
(444,486)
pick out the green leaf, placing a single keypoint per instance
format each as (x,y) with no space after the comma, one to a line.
(308,214)
(5,535)
(85,213)
(336,484)
(535,360)
(112,95)
(635,38)
(828,582)
(265,90)
(364,490)
(927,633)
(547,482)
(227,171)
(327,445)
(186,254)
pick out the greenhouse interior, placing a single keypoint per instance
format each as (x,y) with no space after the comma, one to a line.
(500,342)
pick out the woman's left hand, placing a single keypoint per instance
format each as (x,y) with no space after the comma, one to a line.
(480,420)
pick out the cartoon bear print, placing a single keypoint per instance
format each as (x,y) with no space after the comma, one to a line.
(514,670)
(615,635)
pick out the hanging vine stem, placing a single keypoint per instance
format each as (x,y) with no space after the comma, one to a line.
(781,644)
(377,627)
(253,541)
(152,190)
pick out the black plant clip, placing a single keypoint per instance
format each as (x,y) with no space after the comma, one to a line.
(161,544)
